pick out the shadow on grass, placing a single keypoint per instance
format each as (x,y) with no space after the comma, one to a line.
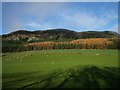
(92,77)
(87,77)
(80,77)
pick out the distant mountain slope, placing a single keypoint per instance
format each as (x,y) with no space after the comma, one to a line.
(24,36)
(98,34)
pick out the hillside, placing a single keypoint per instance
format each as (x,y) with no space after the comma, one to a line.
(23,40)
(24,36)
(39,36)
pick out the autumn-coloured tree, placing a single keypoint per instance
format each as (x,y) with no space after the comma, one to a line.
(91,43)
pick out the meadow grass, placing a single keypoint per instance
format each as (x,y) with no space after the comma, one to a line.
(61,69)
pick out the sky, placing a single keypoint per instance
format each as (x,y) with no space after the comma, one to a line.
(77,16)
(61,0)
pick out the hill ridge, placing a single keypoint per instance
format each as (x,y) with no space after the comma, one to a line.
(59,34)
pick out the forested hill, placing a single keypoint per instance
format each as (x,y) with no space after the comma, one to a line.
(24,36)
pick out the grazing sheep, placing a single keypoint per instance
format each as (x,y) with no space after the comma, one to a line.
(52,62)
(97,54)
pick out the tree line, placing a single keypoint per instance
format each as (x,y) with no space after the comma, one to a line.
(92,43)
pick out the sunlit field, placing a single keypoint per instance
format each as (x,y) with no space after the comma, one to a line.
(61,69)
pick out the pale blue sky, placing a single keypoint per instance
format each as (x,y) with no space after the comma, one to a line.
(79,16)
(60,0)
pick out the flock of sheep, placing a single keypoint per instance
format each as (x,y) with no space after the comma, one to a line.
(20,58)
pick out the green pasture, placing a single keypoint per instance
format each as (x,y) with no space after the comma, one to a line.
(61,69)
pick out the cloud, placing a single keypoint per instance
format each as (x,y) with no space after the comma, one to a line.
(14,24)
(114,28)
(86,21)
(16,14)
(80,19)
(41,9)
(42,26)
(35,15)
(34,25)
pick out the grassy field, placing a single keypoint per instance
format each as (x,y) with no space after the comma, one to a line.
(61,69)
